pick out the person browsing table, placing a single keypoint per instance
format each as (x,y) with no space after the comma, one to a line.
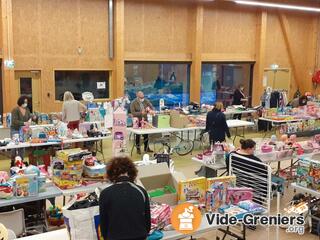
(124,206)
(216,124)
(71,110)
(139,108)
(239,98)
(21,117)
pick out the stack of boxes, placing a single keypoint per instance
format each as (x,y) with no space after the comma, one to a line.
(68,167)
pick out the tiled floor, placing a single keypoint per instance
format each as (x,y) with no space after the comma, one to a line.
(185,165)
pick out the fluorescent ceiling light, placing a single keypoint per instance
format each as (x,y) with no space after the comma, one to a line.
(277,5)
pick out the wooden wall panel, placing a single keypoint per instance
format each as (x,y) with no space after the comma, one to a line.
(59,27)
(1,31)
(94,28)
(155,29)
(300,40)
(275,45)
(134,26)
(229,30)
(48,33)
(25,30)
(301,35)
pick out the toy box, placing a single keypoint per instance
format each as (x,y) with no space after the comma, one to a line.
(229,181)
(216,192)
(237,194)
(71,155)
(67,174)
(26,185)
(233,210)
(42,183)
(96,171)
(193,190)
(94,115)
(66,179)
(308,173)
(160,215)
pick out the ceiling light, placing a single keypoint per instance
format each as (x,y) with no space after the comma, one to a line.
(276,5)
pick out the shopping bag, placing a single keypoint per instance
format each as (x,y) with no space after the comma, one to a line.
(83,223)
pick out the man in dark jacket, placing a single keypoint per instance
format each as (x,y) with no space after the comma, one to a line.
(239,98)
(139,108)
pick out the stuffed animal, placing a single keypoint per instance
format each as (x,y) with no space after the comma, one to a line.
(273,139)
(293,138)
(6,191)
(284,138)
(18,162)
(3,176)
(4,235)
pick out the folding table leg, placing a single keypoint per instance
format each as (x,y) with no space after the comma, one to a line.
(134,143)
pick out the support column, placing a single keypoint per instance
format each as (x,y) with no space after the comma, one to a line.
(195,80)
(7,45)
(118,73)
(257,88)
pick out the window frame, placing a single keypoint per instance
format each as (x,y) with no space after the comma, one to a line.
(251,63)
(110,71)
(188,63)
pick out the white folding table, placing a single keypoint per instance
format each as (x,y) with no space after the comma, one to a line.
(233,123)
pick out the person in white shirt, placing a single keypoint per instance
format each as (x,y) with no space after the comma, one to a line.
(71,110)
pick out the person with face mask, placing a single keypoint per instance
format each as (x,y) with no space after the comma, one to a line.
(21,116)
(139,108)
(239,98)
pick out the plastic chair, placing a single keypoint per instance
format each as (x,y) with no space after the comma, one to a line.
(14,220)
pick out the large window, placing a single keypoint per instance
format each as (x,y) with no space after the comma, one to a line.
(219,80)
(169,81)
(78,82)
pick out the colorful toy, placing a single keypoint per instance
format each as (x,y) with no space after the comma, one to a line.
(55,216)
(6,190)
(235,195)
(192,189)
(3,176)
(31,169)
(4,235)
(18,162)
(293,138)
(284,138)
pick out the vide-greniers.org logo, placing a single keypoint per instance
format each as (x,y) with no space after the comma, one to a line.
(294,224)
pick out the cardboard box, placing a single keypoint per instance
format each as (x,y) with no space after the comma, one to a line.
(178,120)
(71,155)
(157,176)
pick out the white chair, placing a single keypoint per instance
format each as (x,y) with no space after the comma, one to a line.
(14,220)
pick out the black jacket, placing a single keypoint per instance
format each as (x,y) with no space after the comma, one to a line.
(237,96)
(124,211)
(216,126)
